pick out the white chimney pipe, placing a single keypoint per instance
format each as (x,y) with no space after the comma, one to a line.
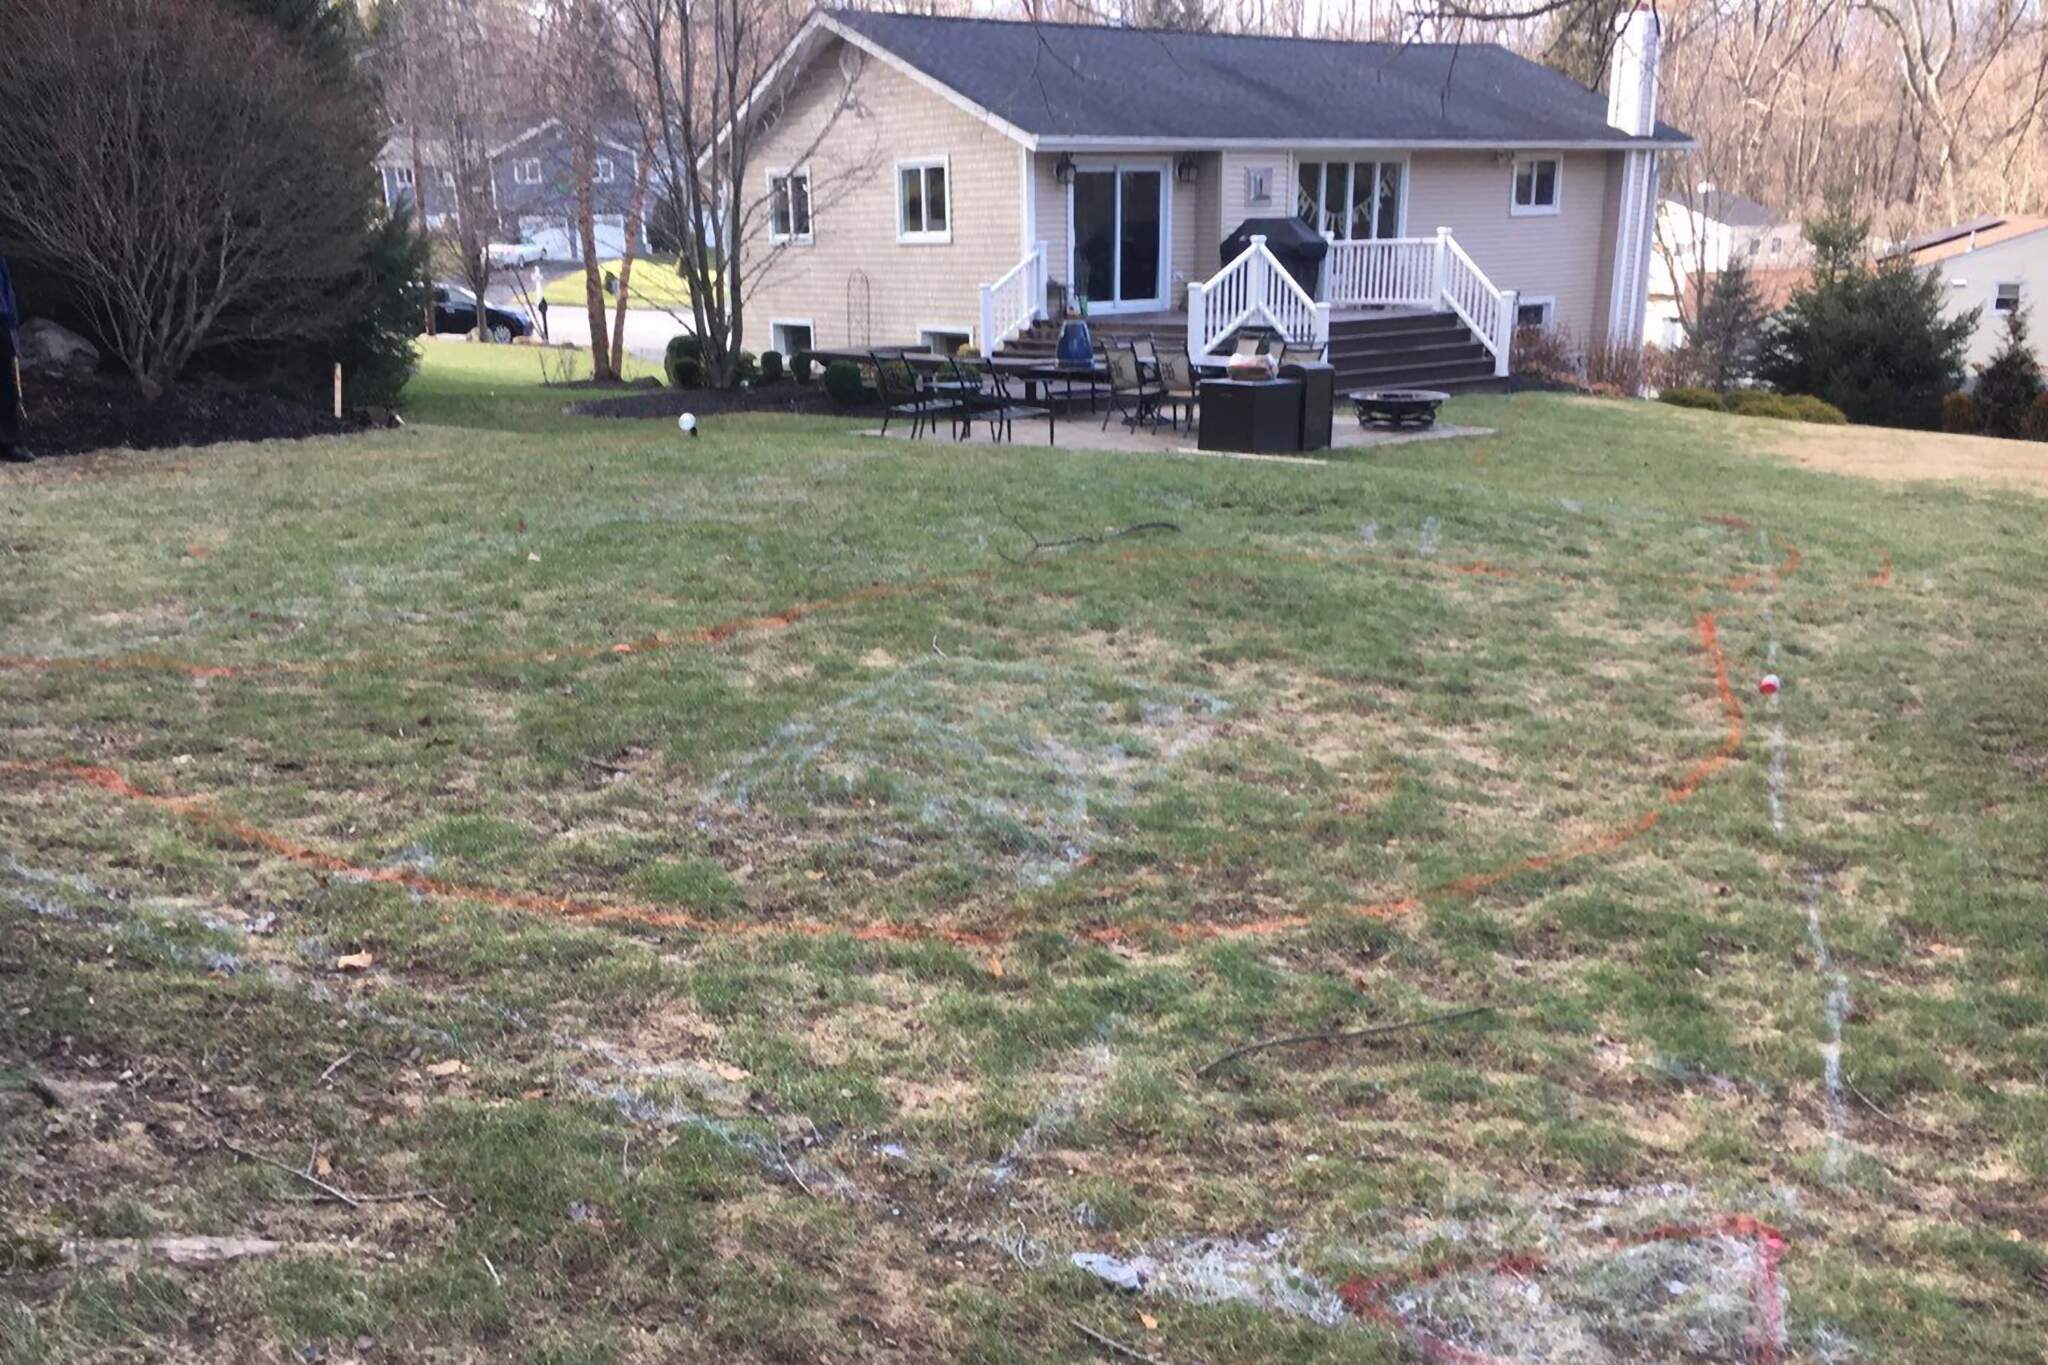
(1632,74)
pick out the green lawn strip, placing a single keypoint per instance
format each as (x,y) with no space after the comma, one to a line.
(1294,704)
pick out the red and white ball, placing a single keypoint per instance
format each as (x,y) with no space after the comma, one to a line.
(1770,685)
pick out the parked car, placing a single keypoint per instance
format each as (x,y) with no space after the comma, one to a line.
(455,311)
(515,253)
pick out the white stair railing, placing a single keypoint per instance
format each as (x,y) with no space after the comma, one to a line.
(1392,272)
(1488,311)
(1254,288)
(1013,302)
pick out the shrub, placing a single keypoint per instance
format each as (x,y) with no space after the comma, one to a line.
(745,368)
(804,367)
(1878,344)
(1959,414)
(2035,427)
(1725,329)
(842,382)
(684,362)
(1544,354)
(2010,381)
(1615,370)
(1787,407)
(771,367)
(1685,396)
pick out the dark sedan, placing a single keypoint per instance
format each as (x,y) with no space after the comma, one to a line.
(455,311)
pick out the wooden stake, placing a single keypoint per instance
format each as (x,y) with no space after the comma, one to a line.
(337,390)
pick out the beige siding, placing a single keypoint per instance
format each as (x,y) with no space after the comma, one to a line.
(854,178)
(1567,255)
(1231,188)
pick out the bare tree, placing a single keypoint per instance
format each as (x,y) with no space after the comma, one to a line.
(580,78)
(704,68)
(162,156)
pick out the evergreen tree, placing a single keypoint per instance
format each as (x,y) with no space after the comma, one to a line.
(1875,343)
(1725,329)
(2010,382)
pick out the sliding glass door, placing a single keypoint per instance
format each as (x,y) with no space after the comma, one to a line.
(1119,235)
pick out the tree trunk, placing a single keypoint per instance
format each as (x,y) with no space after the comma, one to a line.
(585,160)
(636,208)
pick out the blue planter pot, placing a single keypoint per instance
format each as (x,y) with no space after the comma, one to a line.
(1076,346)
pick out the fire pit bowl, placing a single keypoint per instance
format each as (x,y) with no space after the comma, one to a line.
(1397,409)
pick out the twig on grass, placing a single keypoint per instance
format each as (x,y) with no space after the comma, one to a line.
(337,1064)
(496,1278)
(1142,528)
(315,1181)
(1871,1105)
(1341,1036)
(1112,1345)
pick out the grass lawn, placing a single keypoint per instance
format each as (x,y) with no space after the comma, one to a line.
(655,284)
(736,899)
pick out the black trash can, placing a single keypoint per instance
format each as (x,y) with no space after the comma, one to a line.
(1297,246)
(1318,400)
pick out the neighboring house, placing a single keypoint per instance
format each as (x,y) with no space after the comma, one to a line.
(1697,236)
(532,184)
(1996,263)
(979,160)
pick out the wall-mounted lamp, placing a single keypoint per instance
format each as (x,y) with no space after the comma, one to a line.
(1063,169)
(1187,170)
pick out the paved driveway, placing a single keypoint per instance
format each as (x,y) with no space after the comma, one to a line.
(647,329)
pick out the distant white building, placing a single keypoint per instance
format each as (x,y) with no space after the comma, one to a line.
(1996,263)
(1701,234)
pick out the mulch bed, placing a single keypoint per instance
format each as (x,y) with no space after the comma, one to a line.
(786,397)
(73,414)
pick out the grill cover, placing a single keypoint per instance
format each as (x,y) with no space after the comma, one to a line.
(1298,246)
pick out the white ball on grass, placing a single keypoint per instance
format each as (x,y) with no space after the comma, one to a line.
(687,424)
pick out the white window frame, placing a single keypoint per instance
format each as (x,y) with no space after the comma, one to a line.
(923,236)
(793,237)
(927,330)
(604,170)
(1350,161)
(401,177)
(2019,300)
(1556,204)
(778,335)
(526,171)
(1547,302)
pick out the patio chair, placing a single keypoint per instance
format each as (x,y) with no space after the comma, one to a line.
(901,396)
(1005,409)
(1301,353)
(1250,343)
(1129,394)
(973,393)
(1179,388)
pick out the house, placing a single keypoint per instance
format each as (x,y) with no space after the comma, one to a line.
(1997,263)
(1698,235)
(930,177)
(532,185)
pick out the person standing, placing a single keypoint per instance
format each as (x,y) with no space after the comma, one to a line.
(11,412)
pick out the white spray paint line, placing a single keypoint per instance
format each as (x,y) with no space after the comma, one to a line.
(1837,1005)
(1831,1051)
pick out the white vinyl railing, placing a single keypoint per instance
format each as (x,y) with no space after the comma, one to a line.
(1392,272)
(1013,302)
(1488,311)
(1253,288)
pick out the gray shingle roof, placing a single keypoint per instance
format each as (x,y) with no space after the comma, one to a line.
(1078,81)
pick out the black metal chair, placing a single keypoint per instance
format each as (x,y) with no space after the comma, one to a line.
(1006,409)
(1129,393)
(974,394)
(1180,391)
(902,397)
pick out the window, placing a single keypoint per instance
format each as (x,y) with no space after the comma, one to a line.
(603,172)
(526,172)
(924,211)
(401,176)
(791,338)
(1535,312)
(789,206)
(1356,200)
(2005,296)
(1536,185)
(944,340)
(1258,184)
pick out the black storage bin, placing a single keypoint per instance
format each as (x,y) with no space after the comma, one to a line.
(1294,243)
(1318,400)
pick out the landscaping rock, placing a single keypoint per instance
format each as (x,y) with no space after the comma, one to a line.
(46,345)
